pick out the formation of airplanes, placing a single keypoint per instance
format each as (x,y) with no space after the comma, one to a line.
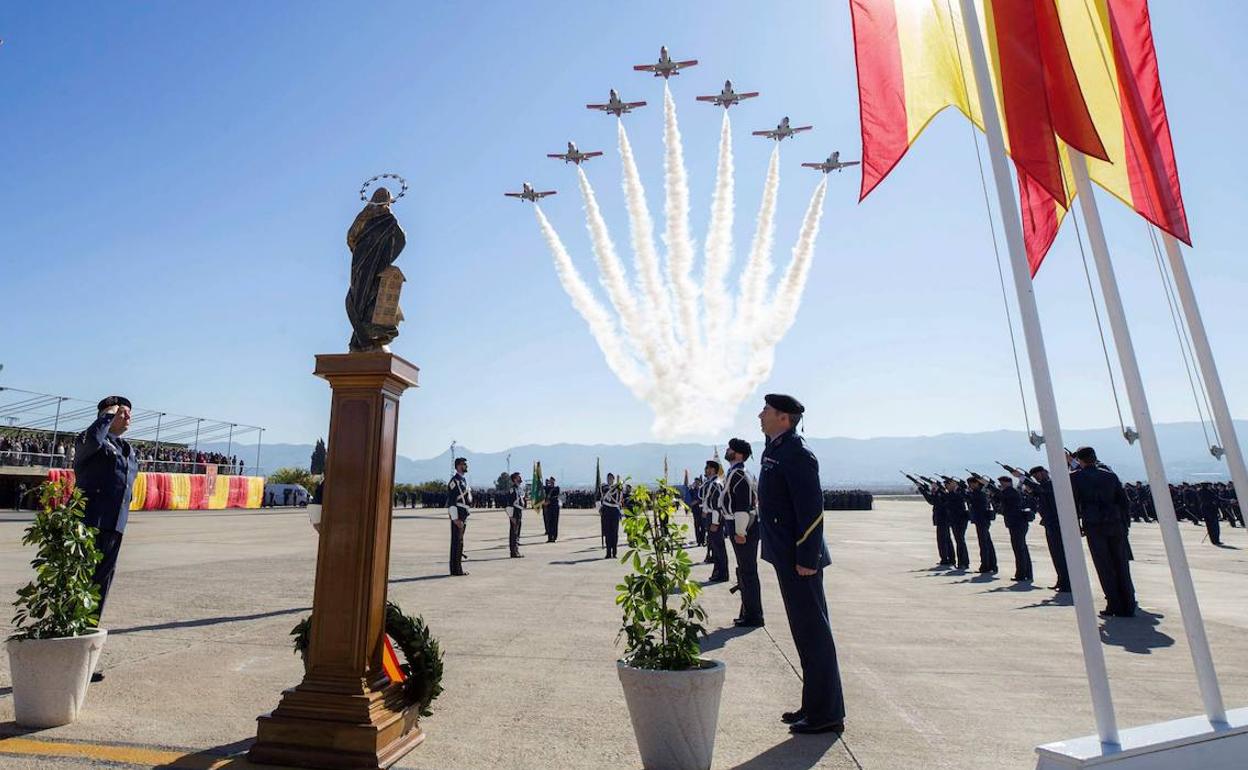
(665,67)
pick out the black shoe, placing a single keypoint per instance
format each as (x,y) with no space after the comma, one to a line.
(791,717)
(717,580)
(517,556)
(98,676)
(805,727)
(461,573)
(1105,613)
(743,623)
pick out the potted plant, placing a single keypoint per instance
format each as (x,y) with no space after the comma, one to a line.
(672,693)
(56,642)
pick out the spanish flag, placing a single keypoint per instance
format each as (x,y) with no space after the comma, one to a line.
(1076,73)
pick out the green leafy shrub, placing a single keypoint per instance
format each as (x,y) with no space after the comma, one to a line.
(62,600)
(662,620)
(290,475)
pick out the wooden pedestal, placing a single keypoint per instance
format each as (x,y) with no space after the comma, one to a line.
(347,714)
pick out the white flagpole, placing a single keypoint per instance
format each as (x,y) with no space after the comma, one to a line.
(1208,369)
(1046,401)
(1159,485)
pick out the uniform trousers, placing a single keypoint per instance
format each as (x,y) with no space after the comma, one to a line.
(957,528)
(513,531)
(457,546)
(747,576)
(1212,525)
(108,543)
(550,517)
(807,610)
(944,543)
(715,541)
(1053,536)
(610,518)
(699,527)
(1108,545)
(1022,556)
(987,551)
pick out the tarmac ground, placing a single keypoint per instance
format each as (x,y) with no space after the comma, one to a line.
(941,668)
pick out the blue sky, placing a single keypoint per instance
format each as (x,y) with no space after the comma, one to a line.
(179,178)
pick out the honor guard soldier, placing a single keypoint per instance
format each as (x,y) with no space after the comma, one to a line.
(944,540)
(713,506)
(957,519)
(105,466)
(790,507)
(1017,522)
(458,507)
(609,514)
(516,504)
(741,501)
(1040,484)
(1102,507)
(693,498)
(550,510)
(981,517)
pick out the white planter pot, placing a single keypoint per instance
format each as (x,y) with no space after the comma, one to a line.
(674,714)
(50,677)
(314,516)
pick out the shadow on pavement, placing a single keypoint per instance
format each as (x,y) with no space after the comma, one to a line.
(231,755)
(1138,634)
(566,562)
(800,752)
(716,639)
(1017,586)
(1056,600)
(985,578)
(208,621)
(419,578)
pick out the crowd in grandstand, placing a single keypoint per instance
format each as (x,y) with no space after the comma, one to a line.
(38,448)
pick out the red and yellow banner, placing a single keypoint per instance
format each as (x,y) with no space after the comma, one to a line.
(1076,74)
(187,491)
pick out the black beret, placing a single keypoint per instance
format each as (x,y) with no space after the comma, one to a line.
(714,464)
(782,403)
(112,401)
(741,447)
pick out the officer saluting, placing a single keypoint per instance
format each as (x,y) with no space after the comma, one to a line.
(458,505)
(790,505)
(741,502)
(105,466)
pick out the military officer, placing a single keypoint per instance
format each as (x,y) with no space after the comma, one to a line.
(981,517)
(1102,506)
(105,466)
(957,518)
(609,514)
(458,507)
(516,503)
(944,540)
(713,506)
(1041,485)
(741,502)
(790,504)
(1017,522)
(550,510)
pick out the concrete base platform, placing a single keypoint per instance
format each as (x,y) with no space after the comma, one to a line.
(1192,742)
(943,670)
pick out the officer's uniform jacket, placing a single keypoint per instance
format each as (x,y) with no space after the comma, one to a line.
(458,498)
(1099,497)
(790,505)
(517,501)
(104,469)
(740,498)
(933,498)
(954,504)
(981,512)
(613,497)
(1012,508)
(1043,491)
(712,493)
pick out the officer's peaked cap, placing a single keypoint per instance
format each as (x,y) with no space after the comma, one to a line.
(783,403)
(112,401)
(741,447)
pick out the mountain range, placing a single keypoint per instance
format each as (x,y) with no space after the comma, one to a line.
(871,463)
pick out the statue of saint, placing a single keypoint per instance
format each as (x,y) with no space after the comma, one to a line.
(375,240)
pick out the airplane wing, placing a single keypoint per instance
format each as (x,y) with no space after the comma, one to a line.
(768,134)
(634,104)
(802,128)
(748,95)
(645,67)
(706,98)
(850,162)
(591,155)
(682,64)
(514,195)
(544,194)
(813,165)
(556,155)
(597,106)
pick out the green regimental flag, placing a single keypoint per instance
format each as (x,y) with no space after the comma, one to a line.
(537,488)
(597,477)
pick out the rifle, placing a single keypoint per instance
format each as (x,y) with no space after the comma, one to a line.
(913,480)
(1015,471)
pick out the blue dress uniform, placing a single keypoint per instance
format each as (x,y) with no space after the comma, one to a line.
(716,543)
(957,518)
(981,517)
(741,502)
(105,467)
(550,512)
(1017,521)
(1102,507)
(1043,491)
(609,516)
(944,540)
(516,503)
(458,508)
(790,505)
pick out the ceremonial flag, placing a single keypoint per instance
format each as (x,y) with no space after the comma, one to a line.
(597,478)
(390,663)
(665,468)
(537,489)
(913,61)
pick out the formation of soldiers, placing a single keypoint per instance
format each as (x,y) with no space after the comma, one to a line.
(1205,503)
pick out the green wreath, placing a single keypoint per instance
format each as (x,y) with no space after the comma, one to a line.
(422,670)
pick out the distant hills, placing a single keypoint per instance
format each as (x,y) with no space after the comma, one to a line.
(844,462)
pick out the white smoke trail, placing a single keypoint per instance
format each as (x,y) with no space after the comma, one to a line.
(719,248)
(758,267)
(777,316)
(615,282)
(676,235)
(600,324)
(656,305)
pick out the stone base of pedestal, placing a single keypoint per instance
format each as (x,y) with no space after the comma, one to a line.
(1194,742)
(312,729)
